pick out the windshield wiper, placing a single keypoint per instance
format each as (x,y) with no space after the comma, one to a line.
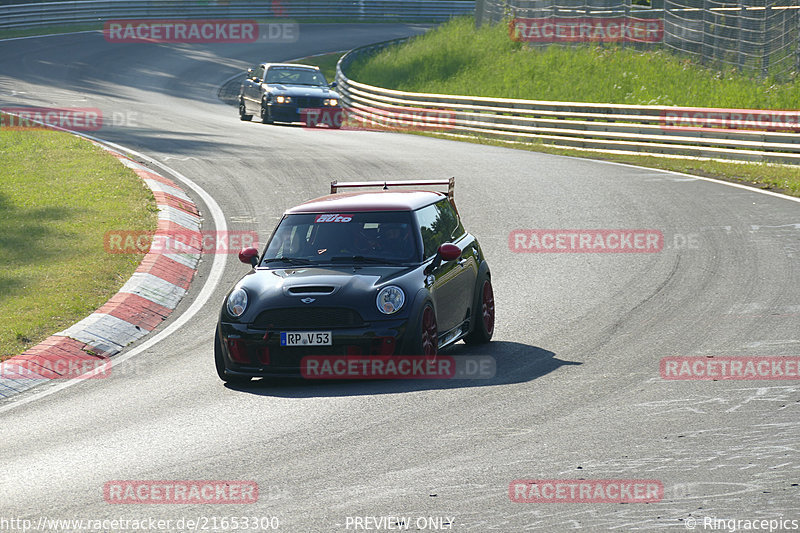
(290,260)
(362,259)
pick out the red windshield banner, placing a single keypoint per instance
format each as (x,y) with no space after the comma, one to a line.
(585,29)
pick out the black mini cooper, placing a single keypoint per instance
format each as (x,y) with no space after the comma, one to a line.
(288,92)
(382,273)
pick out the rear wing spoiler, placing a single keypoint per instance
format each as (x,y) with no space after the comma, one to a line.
(451,185)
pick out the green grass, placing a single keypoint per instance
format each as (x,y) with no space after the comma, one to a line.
(59,194)
(457,59)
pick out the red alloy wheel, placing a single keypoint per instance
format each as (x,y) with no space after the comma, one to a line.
(487,307)
(430,333)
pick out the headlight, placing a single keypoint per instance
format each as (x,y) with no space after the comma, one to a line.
(331,101)
(390,299)
(283,99)
(237,302)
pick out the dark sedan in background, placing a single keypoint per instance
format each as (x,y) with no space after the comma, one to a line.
(288,92)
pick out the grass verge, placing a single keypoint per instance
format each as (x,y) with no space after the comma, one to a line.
(455,58)
(59,194)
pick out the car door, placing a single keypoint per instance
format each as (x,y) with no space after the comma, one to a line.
(452,283)
(252,91)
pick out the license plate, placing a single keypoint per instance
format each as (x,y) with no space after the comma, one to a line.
(306,338)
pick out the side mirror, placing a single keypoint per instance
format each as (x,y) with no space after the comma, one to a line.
(249,256)
(449,252)
(249,73)
(332,85)
(446,252)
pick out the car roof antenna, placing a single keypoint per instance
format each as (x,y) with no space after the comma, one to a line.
(385,186)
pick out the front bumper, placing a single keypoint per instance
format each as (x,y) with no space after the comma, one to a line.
(258,352)
(311,116)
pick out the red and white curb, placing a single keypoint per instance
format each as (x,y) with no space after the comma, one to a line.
(146,299)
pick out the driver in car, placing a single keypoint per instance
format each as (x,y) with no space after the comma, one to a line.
(394,240)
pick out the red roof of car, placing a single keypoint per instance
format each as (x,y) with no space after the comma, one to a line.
(393,200)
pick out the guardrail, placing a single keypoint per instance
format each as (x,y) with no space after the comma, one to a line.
(93,11)
(650,130)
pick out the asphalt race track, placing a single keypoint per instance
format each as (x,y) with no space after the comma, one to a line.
(577,394)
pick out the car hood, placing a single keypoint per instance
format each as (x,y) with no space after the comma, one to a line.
(333,286)
(304,90)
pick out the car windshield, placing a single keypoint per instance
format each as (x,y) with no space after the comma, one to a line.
(295,76)
(382,237)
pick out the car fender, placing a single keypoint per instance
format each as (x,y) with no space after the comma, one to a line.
(422,297)
(483,268)
(222,345)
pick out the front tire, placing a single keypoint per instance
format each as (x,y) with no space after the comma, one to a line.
(219,362)
(425,334)
(483,313)
(266,113)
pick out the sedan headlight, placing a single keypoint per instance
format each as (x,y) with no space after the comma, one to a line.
(237,302)
(330,102)
(283,99)
(390,299)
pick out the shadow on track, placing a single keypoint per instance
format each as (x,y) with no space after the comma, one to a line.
(516,363)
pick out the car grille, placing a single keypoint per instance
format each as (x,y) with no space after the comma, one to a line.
(268,353)
(292,356)
(308,101)
(308,318)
